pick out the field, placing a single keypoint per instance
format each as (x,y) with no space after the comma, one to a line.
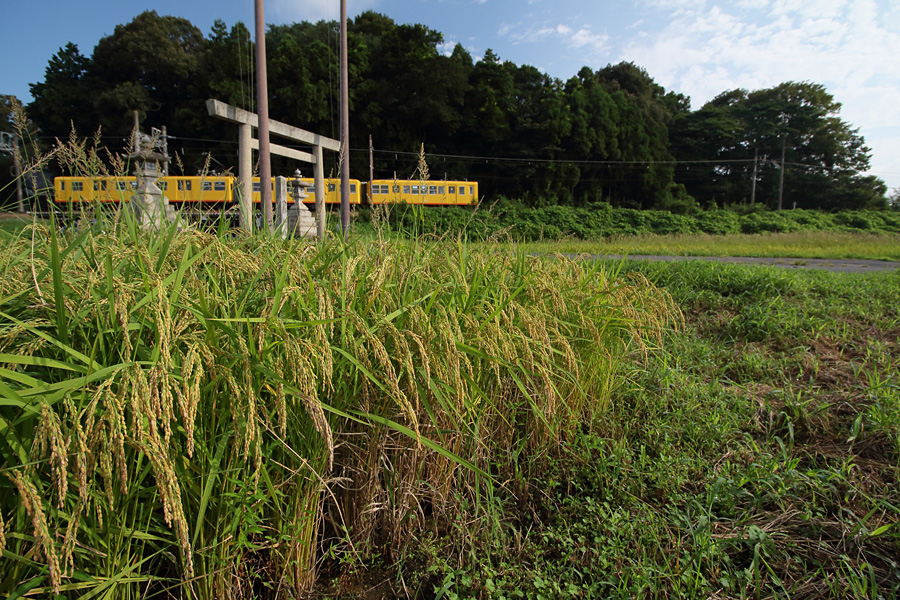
(212,415)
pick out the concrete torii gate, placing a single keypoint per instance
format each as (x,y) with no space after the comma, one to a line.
(247,120)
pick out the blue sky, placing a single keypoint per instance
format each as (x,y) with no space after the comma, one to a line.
(696,47)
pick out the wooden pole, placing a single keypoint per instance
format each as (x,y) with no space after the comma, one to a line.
(755,167)
(781,183)
(165,151)
(345,128)
(17,160)
(262,100)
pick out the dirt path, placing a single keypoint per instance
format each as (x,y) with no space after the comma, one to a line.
(841,265)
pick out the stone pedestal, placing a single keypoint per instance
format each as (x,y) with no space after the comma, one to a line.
(301,221)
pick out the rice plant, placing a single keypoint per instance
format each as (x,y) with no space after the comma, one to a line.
(187,414)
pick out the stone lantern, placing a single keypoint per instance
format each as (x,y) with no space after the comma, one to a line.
(300,221)
(148,203)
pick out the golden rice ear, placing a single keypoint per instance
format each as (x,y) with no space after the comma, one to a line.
(44,544)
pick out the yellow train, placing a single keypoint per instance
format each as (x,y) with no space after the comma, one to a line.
(214,190)
(437,193)
(210,189)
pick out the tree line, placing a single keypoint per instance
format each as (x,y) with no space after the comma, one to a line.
(610,135)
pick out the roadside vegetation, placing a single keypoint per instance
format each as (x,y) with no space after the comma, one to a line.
(602,221)
(755,455)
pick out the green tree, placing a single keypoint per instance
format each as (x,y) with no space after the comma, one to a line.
(825,157)
(64,98)
(147,65)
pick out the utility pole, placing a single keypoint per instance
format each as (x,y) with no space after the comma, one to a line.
(262,101)
(165,151)
(17,159)
(136,133)
(9,142)
(781,183)
(345,128)
(755,167)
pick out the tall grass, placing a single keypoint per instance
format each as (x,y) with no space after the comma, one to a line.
(204,415)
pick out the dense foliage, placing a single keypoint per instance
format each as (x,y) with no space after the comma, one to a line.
(611,135)
(596,221)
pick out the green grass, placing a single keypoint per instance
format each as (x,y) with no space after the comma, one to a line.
(807,244)
(756,455)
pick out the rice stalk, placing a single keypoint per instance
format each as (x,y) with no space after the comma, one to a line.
(220,381)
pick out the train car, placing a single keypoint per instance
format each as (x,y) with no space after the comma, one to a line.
(434,193)
(111,189)
(209,189)
(107,189)
(332,191)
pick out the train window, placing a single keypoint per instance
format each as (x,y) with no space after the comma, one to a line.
(405,189)
(471,190)
(256,186)
(432,189)
(396,189)
(452,189)
(77,186)
(62,185)
(183,185)
(415,189)
(134,185)
(163,185)
(219,186)
(331,187)
(352,188)
(440,189)
(99,186)
(121,186)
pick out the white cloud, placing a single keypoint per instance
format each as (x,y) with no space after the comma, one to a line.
(578,38)
(704,48)
(446,47)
